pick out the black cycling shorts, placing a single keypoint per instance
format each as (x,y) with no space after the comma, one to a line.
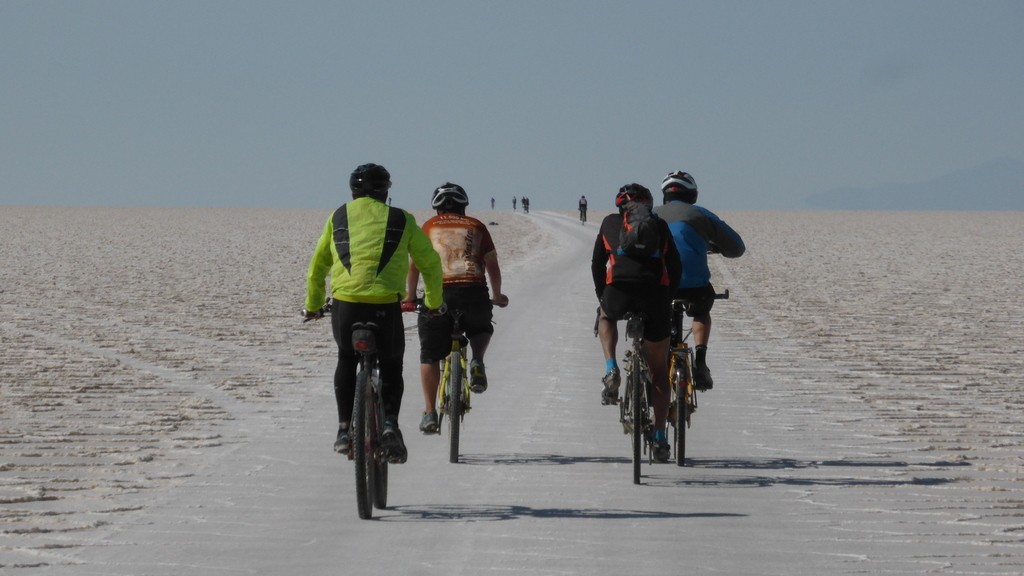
(387,317)
(651,301)
(436,333)
(698,300)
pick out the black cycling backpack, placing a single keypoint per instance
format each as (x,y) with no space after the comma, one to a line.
(639,235)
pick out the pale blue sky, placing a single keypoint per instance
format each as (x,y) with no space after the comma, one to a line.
(272,104)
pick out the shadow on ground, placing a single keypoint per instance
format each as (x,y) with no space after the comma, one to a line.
(537,460)
(493,513)
(794,472)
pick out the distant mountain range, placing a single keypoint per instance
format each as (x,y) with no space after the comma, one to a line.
(997,185)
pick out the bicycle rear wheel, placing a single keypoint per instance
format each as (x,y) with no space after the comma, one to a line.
(454,387)
(636,391)
(363,444)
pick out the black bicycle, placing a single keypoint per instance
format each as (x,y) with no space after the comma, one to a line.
(634,408)
(367,424)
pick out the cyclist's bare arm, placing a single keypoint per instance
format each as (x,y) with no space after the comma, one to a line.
(494,276)
(411,282)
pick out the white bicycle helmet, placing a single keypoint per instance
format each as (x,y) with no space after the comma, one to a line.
(449,197)
(679,186)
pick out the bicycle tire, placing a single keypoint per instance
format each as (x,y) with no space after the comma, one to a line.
(682,412)
(454,385)
(362,444)
(380,464)
(636,384)
(684,388)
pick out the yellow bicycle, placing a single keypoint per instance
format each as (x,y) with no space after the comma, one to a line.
(454,392)
(680,374)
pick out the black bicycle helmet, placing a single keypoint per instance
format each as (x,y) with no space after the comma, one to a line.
(450,198)
(633,192)
(679,186)
(371,180)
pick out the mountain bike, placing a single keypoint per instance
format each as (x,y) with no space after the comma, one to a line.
(680,374)
(634,408)
(454,392)
(367,424)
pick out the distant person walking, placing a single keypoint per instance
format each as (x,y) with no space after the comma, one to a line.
(583,209)
(696,232)
(513,203)
(492,202)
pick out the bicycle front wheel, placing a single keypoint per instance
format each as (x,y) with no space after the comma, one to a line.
(363,443)
(455,400)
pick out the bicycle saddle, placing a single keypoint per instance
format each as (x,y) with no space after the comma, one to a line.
(364,336)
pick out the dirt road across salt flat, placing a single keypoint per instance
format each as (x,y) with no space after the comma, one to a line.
(165,412)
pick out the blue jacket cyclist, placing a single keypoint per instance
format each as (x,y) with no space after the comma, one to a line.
(697,232)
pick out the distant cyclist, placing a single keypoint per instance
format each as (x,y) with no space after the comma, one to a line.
(365,247)
(468,260)
(696,231)
(583,209)
(625,283)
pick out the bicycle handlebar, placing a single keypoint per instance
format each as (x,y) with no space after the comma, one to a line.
(418,307)
(308,315)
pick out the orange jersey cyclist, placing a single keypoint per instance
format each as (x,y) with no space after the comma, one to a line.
(468,260)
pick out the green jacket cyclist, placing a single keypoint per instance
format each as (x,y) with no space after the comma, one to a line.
(365,248)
